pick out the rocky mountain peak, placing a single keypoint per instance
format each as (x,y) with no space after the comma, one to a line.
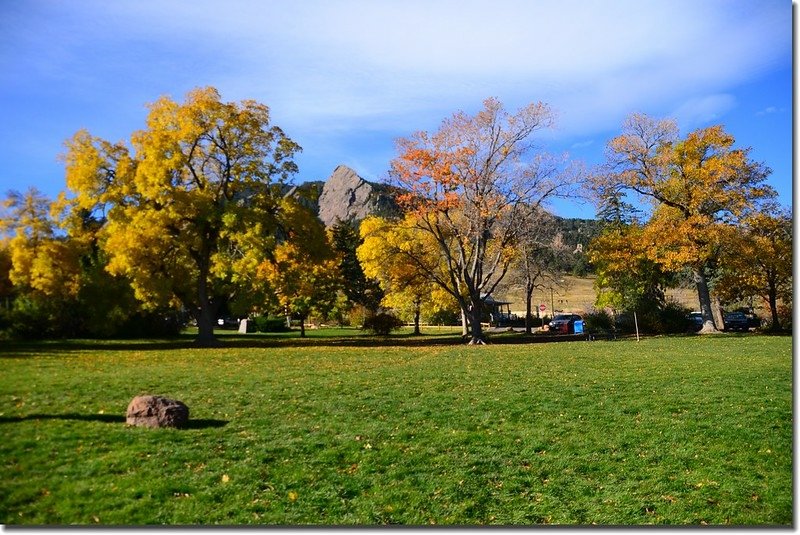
(347,196)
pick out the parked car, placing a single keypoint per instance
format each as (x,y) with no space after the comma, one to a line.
(227,323)
(736,321)
(564,323)
(695,320)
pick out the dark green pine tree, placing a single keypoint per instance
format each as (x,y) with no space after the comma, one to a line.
(358,288)
(613,210)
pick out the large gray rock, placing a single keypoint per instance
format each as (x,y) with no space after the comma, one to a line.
(347,196)
(156,411)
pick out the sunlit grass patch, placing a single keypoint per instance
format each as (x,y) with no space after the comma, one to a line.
(666,431)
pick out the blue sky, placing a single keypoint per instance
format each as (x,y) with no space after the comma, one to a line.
(346,78)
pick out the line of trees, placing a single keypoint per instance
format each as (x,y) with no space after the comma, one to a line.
(192,218)
(712,216)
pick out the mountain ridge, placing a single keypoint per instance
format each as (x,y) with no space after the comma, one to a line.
(347,197)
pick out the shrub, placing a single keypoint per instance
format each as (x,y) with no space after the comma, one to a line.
(668,318)
(382,323)
(785,314)
(445,317)
(40,319)
(598,320)
(269,324)
(163,323)
(672,318)
(356,315)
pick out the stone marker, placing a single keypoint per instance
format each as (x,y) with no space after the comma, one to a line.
(156,411)
(243,327)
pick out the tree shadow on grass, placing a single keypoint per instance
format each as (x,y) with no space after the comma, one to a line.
(21,350)
(27,349)
(201,423)
(205,423)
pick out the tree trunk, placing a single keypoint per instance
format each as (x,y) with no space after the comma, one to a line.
(528,314)
(719,316)
(773,307)
(464,326)
(416,317)
(205,327)
(205,319)
(704,297)
(475,322)
(302,326)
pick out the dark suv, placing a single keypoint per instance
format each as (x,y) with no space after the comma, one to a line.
(695,321)
(737,321)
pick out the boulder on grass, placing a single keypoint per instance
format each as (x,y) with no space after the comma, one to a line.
(157,411)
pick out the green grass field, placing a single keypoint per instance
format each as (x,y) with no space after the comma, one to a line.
(338,431)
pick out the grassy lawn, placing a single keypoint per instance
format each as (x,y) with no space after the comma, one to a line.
(684,430)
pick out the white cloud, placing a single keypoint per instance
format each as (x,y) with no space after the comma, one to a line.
(337,64)
(769,110)
(702,110)
(331,68)
(582,144)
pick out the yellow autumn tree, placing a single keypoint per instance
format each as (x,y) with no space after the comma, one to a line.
(627,279)
(191,211)
(698,185)
(42,261)
(399,256)
(303,269)
(757,262)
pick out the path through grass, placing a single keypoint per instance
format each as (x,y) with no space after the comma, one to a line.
(685,430)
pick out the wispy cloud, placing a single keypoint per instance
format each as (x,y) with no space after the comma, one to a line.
(340,72)
(702,110)
(769,110)
(582,144)
(344,63)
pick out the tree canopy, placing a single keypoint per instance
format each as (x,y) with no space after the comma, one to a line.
(191,211)
(395,255)
(303,269)
(467,186)
(757,261)
(699,185)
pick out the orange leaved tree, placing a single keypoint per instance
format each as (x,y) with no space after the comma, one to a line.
(467,185)
(700,187)
(757,262)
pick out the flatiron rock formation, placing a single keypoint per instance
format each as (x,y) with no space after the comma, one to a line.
(346,196)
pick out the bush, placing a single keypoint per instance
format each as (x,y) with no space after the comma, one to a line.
(164,323)
(269,324)
(445,317)
(598,320)
(357,315)
(785,313)
(669,318)
(673,318)
(38,318)
(382,323)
